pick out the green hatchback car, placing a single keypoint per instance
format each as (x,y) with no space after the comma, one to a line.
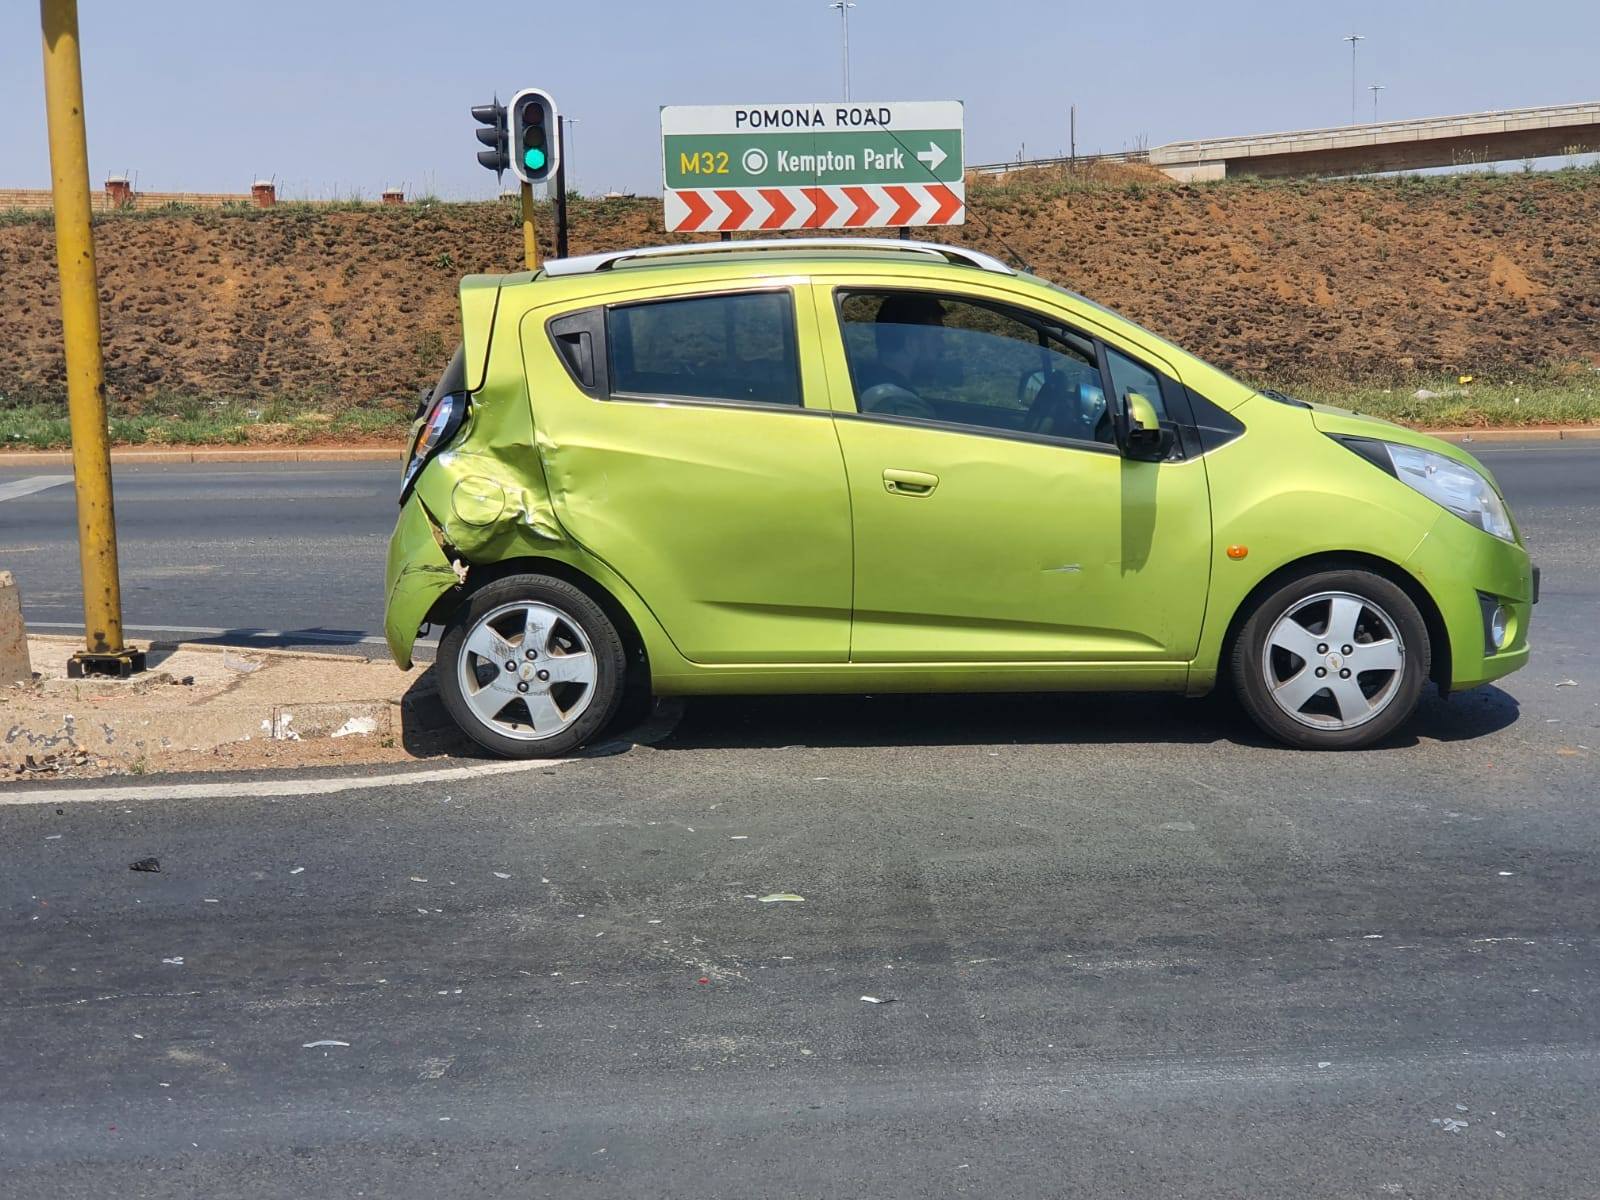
(864,465)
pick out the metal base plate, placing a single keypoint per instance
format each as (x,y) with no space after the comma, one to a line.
(118,665)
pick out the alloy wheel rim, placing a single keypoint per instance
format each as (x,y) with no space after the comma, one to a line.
(1333,661)
(527,670)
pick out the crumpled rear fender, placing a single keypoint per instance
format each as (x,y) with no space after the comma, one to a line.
(416,576)
(489,505)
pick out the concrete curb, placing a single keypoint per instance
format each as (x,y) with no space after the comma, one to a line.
(62,458)
(212,707)
(1534,433)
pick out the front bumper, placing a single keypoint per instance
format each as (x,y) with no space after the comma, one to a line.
(1458,564)
(416,576)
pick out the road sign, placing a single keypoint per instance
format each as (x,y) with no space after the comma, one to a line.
(840,165)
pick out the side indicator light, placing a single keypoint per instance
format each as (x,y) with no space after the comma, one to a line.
(1238,551)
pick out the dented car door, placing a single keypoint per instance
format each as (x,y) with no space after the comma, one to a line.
(686,441)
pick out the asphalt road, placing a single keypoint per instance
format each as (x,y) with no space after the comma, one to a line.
(234,552)
(292,553)
(1131,949)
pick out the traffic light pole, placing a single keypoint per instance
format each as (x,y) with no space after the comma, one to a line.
(104,652)
(561,201)
(530,235)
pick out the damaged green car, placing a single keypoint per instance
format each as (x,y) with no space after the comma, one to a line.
(860,465)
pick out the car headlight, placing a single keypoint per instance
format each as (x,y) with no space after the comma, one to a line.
(1446,482)
(1452,485)
(437,428)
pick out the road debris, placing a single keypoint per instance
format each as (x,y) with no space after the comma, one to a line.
(176,961)
(1449,1124)
(236,662)
(500,875)
(1567,683)
(296,870)
(880,999)
(782,898)
(149,865)
(322,1042)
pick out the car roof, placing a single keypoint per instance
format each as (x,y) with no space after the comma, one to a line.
(760,251)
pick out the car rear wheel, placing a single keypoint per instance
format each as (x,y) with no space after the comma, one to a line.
(531,667)
(1334,660)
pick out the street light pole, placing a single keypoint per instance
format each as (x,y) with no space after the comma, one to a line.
(1353,39)
(1375,88)
(844,7)
(104,652)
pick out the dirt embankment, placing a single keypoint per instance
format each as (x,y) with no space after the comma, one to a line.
(1364,281)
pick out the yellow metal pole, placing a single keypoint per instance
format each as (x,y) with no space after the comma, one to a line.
(530,236)
(80,325)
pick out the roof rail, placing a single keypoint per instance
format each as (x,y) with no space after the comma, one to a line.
(584,264)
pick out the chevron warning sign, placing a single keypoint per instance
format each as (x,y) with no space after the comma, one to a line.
(812,166)
(728,209)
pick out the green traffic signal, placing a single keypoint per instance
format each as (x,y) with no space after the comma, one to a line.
(534,127)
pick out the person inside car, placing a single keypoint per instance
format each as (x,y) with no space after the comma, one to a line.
(902,344)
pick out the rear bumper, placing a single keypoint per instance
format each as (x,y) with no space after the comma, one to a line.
(416,575)
(1458,565)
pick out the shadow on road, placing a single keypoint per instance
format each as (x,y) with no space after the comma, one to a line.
(1465,716)
(1030,719)
(267,639)
(958,719)
(756,722)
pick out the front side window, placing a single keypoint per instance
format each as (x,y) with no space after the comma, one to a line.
(1129,376)
(948,359)
(736,348)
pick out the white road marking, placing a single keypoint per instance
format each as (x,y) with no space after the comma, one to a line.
(27,487)
(306,636)
(246,789)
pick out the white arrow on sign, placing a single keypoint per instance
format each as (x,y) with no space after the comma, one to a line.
(933,156)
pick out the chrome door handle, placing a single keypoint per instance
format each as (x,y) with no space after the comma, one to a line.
(908,483)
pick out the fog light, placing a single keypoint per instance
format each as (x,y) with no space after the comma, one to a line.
(1497,627)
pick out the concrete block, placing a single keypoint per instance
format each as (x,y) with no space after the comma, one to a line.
(14,664)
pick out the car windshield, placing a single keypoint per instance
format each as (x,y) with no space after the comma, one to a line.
(1177,350)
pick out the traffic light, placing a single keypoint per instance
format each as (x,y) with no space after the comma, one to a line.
(535,136)
(492,118)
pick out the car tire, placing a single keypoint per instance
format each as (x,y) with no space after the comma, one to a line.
(537,700)
(1354,633)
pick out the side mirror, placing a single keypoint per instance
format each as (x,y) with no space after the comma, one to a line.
(1144,439)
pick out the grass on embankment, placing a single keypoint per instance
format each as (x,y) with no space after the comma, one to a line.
(189,421)
(1469,406)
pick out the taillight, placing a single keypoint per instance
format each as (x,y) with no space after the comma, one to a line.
(438,427)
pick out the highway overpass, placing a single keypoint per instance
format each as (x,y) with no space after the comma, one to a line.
(1499,136)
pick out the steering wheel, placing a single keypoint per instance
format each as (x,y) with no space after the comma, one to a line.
(890,399)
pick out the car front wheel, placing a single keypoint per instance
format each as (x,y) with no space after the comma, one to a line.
(1334,660)
(531,667)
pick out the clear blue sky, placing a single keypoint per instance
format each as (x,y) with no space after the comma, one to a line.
(338,96)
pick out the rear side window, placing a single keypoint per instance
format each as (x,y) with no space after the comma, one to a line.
(736,348)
